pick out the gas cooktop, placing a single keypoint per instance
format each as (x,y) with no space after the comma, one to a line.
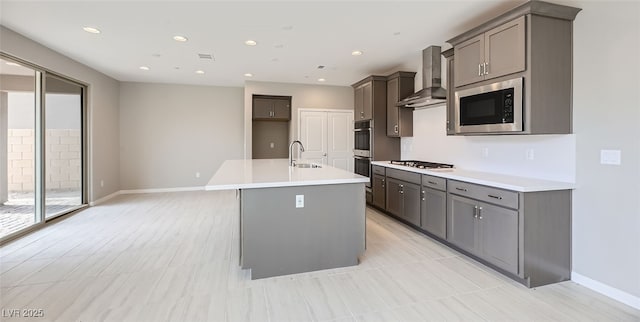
(422,164)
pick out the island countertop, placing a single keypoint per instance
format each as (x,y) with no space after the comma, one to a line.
(265,173)
(514,183)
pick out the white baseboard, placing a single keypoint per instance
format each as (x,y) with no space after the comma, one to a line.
(103,199)
(604,289)
(179,189)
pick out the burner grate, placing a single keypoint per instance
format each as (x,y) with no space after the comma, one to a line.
(422,164)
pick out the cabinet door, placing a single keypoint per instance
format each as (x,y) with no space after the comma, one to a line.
(461,223)
(262,108)
(499,236)
(379,193)
(367,101)
(451,104)
(434,212)
(469,55)
(504,49)
(394,197)
(359,103)
(281,109)
(411,203)
(392,109)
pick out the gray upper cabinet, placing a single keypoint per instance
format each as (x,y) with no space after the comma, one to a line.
(271,108)
(497,52)
(399,119)
(363,102)
(532,42)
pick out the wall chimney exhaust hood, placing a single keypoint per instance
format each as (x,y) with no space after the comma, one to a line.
(432,92)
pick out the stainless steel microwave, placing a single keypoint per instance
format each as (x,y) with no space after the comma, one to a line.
(492,108)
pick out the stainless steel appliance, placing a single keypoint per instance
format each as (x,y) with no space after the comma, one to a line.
(432,92)
(362,138)
(422,164)
(492,108)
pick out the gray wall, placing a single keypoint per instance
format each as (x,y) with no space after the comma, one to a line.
(170,132)
(606,109)
(302,96)
(102,107)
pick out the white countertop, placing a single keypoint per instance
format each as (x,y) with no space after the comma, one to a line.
(520,184)
(265,173)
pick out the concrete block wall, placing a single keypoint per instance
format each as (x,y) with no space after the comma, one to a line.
(63,160)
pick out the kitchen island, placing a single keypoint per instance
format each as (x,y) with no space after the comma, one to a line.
(295,219)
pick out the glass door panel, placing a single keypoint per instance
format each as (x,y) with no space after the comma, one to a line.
(18,101)
(63,146)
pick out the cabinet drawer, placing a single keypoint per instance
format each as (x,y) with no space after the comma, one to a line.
(404,175)
(434,182)
(378,169)
(496,196)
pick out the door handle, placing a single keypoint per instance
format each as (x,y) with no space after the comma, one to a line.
(479,212)
(324,154)
(395,128)
(422,195)
(479,69)
(486,68)
(475,211)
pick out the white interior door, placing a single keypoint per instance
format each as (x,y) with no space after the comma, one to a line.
(313,135)
(340,140)
(328,137)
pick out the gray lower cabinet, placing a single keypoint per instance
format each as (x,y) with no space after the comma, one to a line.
(379,191)
(484,230)
(403,200)
(433,212)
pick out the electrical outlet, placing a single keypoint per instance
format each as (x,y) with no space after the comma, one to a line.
(530,154)
(485,152)
(197,174)
(272,145)
(101,183)
(299,201)
(612,157)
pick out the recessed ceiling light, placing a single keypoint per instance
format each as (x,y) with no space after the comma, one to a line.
(144,67)
(356,53)
(200,72)
(180,38)
(91,30)
(10,63)
(321,79)
(248,75)
(250,42)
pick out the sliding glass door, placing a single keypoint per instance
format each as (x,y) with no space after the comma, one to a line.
(42,131)
(63,146)
(18,146)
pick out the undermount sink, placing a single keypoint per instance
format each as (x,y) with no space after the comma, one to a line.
(307,165)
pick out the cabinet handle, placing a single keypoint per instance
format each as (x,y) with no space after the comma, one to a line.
(479,69)
(495,197)
(475,211)
(432,182)
(422,195)
(395,128)
(486,68)
(383,183)
(401,189)
(461,189)
(479,212)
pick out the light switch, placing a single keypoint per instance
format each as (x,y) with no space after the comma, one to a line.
(299,201)
(485,152)
(613,157)
(530,154)
(272,145)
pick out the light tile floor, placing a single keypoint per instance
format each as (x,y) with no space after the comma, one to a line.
(174,256)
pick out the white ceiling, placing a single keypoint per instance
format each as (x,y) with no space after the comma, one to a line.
(294,38)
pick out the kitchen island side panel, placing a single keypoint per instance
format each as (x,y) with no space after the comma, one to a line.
(278,239)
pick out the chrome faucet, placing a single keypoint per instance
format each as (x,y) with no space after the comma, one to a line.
(291,162)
